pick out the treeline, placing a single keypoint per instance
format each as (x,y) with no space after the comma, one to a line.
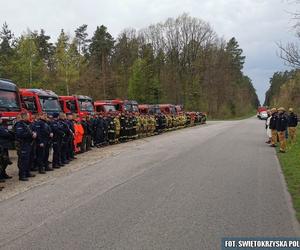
(180,61)
(284,90)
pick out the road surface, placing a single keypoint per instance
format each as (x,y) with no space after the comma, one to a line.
(181,190)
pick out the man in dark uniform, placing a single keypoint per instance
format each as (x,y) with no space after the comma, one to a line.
(25,136)
(105,130)
(58,135)
(129,126)
(99,130)
(273,122)
(84,137)
(44,134)
(6,139)
(123,127)
(89,132)
(292,125)
(33,154)
(71,147)
(281,126)
(65,139)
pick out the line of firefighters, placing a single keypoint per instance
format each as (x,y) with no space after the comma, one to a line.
(281,126)
(66,135)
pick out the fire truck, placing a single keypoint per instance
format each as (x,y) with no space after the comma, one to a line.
(144,109)
(10,102)
(78,104)
(105,107)
(168,109)
(126,105)
(39,100)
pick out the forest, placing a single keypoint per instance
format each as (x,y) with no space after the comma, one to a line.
(180,60)
(284,90)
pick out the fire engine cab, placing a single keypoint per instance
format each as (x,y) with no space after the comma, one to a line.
(39,100)
(105,107)
(77,104)
(10,103)
(126,105)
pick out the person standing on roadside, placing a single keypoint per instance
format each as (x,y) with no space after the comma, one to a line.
(269,132)
(273,121)
(6,139)
(292,125)
(281,125)
(24,136)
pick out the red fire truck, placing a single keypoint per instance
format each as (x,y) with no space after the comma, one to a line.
(144,109)
(104,106)
(78,104)
(10,103)
(39,100)
(126,105)
(168,109)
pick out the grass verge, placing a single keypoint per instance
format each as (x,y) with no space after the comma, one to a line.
(290,164)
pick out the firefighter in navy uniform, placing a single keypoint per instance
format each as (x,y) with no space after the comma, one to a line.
(24,136)
(44,135)
(273,122)
(65,139)
(58,135)
(89,132)
(6,139)
(70,145)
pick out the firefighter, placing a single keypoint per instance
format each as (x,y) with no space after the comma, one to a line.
(111,129)
(123,124)
(33,154)
(143,126)
(71,137)
(44,134)
(99,130)
(134,127)
(89,132)
(273,122)
(105,130)
(292,125)
(117,126)
(65,139)
(25,136)
(78,135)
(49,118)
(153,125)
(58,134)
(281,126)
(6,139)
(84,136)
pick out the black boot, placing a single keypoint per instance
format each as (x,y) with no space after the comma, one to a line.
(23,179)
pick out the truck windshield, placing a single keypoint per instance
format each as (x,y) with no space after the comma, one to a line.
(109,108)
(86,105)
(131,107)
(9,101)
(50,104)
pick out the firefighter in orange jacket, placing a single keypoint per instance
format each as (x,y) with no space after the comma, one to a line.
(79,132)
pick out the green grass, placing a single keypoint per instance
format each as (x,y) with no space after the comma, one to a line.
(290,164)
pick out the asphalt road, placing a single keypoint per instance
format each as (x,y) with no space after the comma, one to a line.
(180,190)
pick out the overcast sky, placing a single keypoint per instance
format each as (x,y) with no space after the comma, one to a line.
(257,24)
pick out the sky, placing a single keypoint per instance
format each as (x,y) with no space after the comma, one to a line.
(257,24)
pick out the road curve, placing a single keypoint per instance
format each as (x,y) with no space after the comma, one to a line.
(181,190)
